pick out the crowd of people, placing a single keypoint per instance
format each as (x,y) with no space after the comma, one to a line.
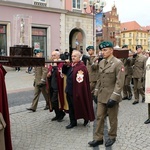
(72,86)
(103,78)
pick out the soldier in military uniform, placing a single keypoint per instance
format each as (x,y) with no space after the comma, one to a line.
(39,84)
(127,93)
(108,89)
(139,64)
(92,69)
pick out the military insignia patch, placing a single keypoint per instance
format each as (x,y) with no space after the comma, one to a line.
(80,76)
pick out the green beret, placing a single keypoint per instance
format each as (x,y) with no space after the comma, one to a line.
(90,47)
(38,51)
(139,46)
(125,46)
(105,44)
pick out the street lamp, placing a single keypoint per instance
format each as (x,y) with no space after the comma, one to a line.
(96,6)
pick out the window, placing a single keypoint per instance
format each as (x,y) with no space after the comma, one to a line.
(40,2)
(130,42)
(76,4)
(39,39)
(3,40)
(130,34)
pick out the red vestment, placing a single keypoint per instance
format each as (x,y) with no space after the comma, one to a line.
(82,99)
(63,104)
(4,108)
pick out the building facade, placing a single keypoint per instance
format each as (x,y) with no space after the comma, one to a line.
(54,24)
(133,34)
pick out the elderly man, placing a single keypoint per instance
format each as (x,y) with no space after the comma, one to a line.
(56,87)
(78,91)
(108,91)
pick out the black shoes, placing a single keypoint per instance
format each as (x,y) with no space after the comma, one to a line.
(54,119)
(110,142)
(61,117)
(143,99)
(46,107)
(130,97)
(71,126)
(31,109)
(147,121)
(95,143)
(124,98)
(85,122)
(135,102)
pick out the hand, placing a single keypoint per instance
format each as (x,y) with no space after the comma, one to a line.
(96,92)
(110,103)
(134,55)
(94,98)
(142,79)
(41,84)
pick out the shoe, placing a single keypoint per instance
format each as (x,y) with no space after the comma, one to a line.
(147,121)
(124,98)
(143,99)
(95,143)
(31,109)
(110,142)
(135,102)
(46,107)
(61,117)
(71,126)
(54,119)
(85,122)
(130,97)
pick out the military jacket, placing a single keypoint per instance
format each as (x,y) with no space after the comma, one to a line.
(92,69)
(40,74)
(128,66)
(110,80)
(139,64)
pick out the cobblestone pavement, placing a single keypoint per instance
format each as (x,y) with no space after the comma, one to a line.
(36,131)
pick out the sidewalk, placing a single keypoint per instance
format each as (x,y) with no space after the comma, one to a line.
(36,131)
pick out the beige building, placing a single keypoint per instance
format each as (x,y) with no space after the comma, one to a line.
(133,34)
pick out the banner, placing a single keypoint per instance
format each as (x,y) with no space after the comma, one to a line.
(99,24)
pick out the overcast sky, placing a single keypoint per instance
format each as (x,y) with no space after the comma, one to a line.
(131,10)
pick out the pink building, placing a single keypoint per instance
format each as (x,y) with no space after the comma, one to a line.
(52,24)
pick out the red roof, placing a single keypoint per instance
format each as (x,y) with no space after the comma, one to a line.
(132,25)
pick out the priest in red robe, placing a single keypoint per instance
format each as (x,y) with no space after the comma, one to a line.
(78,91)
(4,109)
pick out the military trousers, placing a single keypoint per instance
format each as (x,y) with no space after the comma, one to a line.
(37,92)
(102,112)
(138,88)
(127,87)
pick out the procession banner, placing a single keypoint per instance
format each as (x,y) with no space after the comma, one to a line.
(99,24)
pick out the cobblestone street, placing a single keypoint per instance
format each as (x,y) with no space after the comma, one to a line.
(36,131)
